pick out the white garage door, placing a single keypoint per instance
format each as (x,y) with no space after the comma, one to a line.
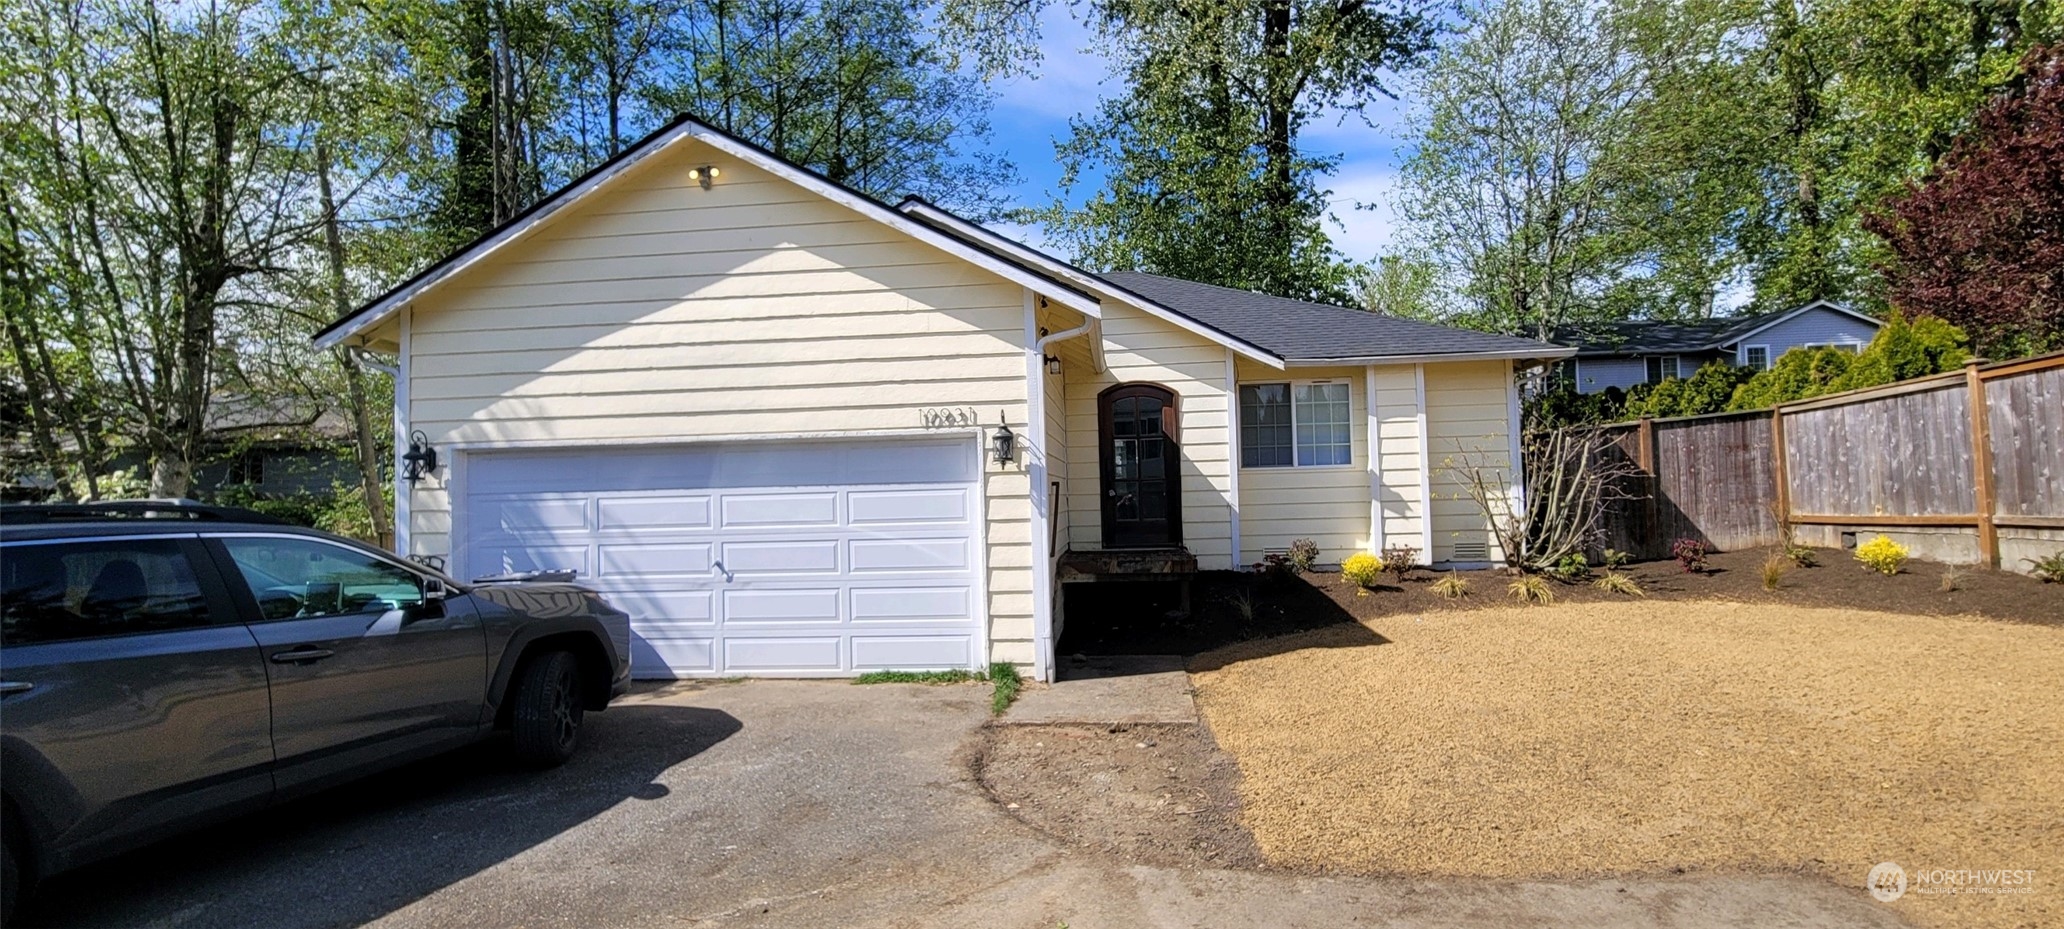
(791,559)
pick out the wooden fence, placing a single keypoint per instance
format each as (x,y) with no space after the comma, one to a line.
(1970,460)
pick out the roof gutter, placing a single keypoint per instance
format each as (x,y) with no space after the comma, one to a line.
(1545,353)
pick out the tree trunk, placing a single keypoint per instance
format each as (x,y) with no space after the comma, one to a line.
(1279,192)
(366,446)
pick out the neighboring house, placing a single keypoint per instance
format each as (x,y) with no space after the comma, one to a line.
(1646,352)
(759,411)
(271,448)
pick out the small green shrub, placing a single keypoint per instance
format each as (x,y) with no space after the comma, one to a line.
(1005,676)
(1801,555)
(1572,567)
(1304,553)
(1361,569)
(1614,582)
(1691,554)
(2050,569)
(1614,559)
(1243,604)
(1882,555)
(1452,586)
(1530,588)
(1953,579)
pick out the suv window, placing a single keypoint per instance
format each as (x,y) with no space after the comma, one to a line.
(304,578)
(54,592)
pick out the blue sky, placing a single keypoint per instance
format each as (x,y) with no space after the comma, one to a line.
(1032,111)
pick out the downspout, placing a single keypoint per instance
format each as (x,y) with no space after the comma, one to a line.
(1063,336)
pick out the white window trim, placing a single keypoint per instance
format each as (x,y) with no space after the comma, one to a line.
(1768,358)
(1676,368)
(1854,347)
(1240,442)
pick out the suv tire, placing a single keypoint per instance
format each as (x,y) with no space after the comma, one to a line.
(546,717)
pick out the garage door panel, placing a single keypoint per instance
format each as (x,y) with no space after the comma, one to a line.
(912,604)
(673,512)
(813,556)
(663,608)
(657,657)
(875,555)
(912,653)
(795,654)
(808,559)
(532,515)
(750,607)
(755,511)
(630,559)
(498,558)
(903,507)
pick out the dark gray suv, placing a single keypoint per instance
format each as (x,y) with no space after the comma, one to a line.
(163,666)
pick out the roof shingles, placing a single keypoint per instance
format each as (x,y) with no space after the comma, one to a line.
(1299,331)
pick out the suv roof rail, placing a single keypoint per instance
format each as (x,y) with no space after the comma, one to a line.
(176,508)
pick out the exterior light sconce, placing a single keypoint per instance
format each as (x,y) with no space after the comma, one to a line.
(420,460)
(704,175)
(1053,364)
(1004,444)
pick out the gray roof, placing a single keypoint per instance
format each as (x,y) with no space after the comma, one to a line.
(1655,336)
(1300,331)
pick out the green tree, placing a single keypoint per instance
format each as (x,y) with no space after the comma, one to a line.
(1707,390)
(1521,162)
(1395,285)
(1903,349)
(1203,174)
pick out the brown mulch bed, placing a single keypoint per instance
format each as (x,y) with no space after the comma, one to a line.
(1134,619)
(1158,794)
(1623,738)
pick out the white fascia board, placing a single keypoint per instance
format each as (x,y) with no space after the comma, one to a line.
(375,313)
(1545,353)
(1085,280)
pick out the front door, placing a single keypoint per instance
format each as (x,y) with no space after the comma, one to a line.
(1142,491)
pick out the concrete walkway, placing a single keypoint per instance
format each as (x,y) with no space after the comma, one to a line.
(1113,690)
(782,804)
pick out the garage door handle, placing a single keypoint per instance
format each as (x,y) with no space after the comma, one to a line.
(301,656)
(718,566)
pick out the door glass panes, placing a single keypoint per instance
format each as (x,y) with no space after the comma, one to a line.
(301,578)
(1265,435)
(84,590)
(1325,432)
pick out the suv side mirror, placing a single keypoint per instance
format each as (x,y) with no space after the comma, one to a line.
(433,590)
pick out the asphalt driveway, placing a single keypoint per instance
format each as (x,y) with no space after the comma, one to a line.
(784,804)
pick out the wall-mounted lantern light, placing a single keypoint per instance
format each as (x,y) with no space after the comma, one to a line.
(703,175)
(1004,444)
(420,460)
(1053,364)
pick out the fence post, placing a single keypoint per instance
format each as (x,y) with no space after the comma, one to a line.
(1784,481)
(1981,466)
(1645,457)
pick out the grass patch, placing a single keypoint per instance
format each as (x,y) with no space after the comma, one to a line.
(1005,676)
(955,676)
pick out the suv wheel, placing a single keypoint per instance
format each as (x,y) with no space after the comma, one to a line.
(546,717)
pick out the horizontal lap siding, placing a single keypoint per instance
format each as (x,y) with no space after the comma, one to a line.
(1140,348)
(1397,456)
(1468,415)
(658,311)
(1328,505)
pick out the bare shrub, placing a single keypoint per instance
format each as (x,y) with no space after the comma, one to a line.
(1571,476)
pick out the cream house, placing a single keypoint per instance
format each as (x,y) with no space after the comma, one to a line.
(762,413)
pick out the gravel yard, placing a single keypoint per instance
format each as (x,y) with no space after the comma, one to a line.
(1641,737)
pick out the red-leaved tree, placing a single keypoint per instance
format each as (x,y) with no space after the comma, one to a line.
(1979,241)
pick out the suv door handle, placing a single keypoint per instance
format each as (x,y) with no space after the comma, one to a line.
(10,688)
(301,656)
